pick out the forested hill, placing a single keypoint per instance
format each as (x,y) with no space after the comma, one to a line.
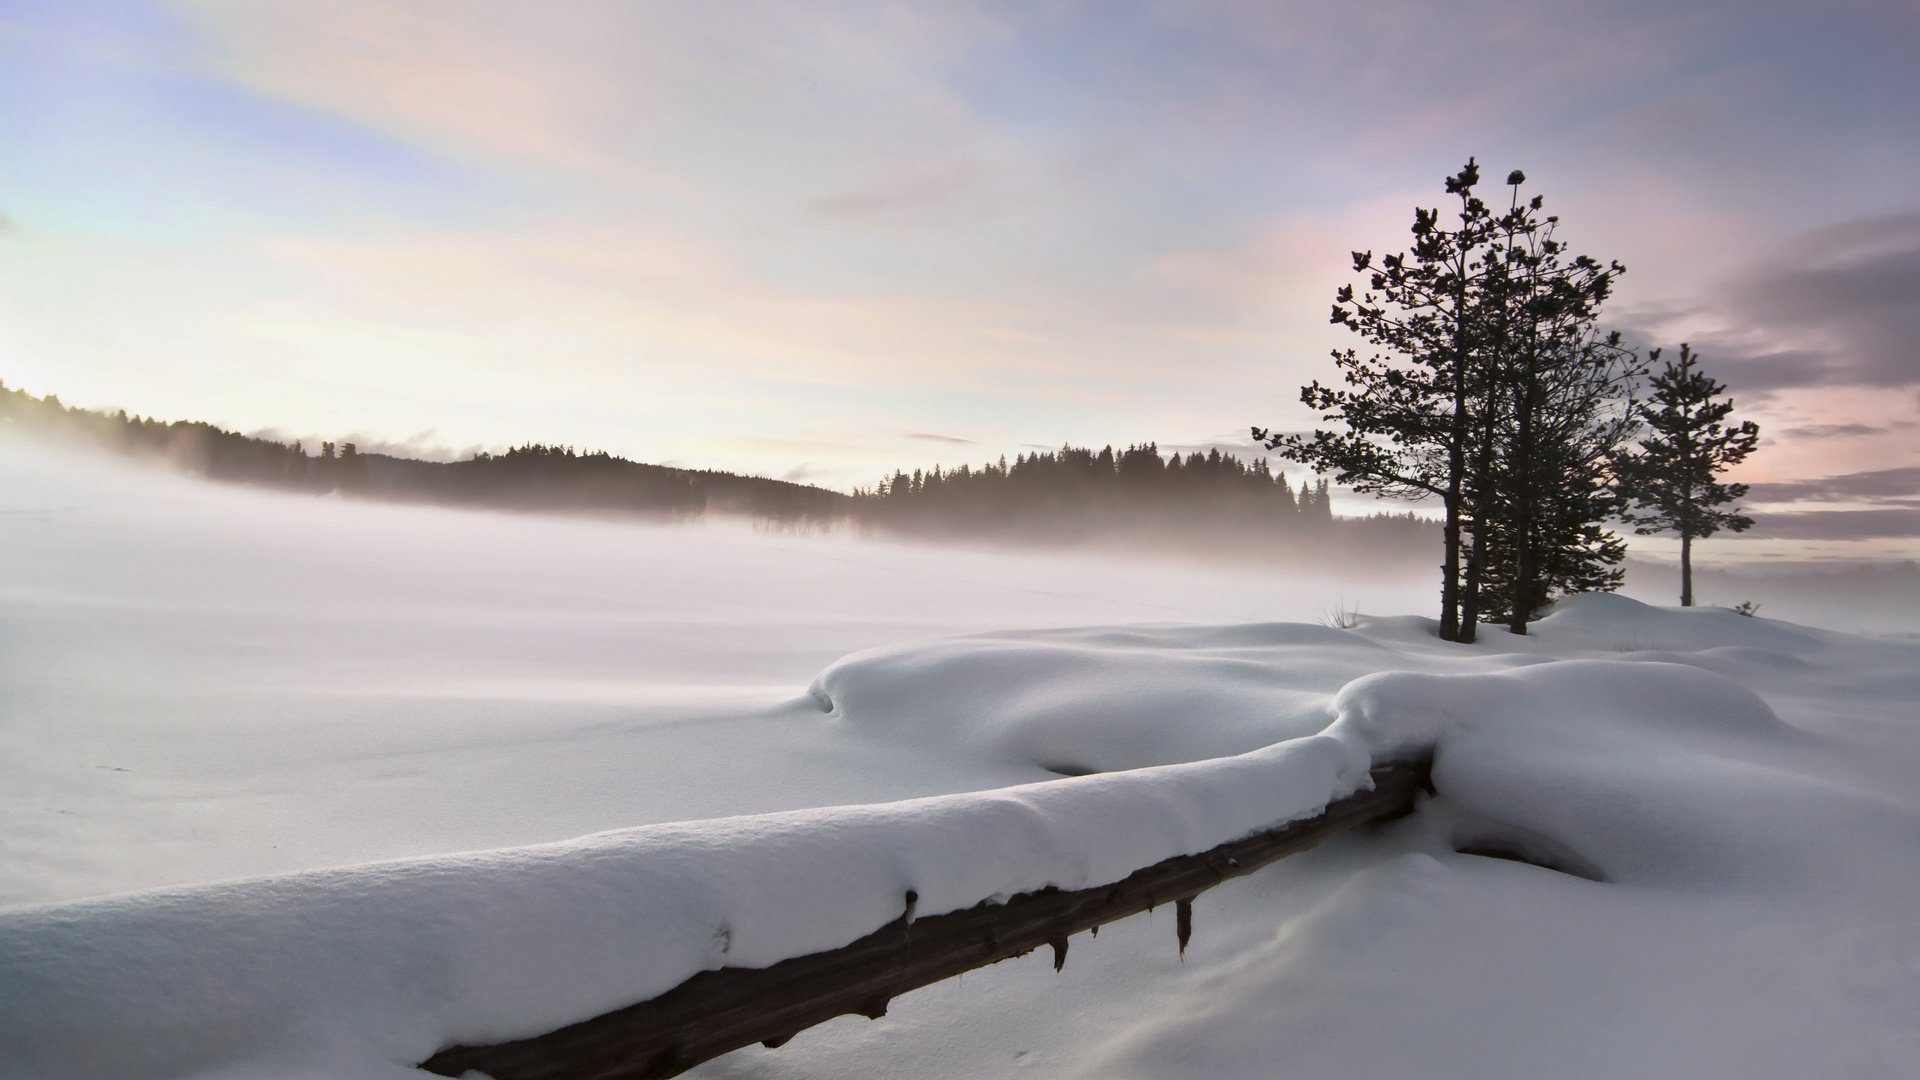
(1206,504)
(1201,504)
(530,478)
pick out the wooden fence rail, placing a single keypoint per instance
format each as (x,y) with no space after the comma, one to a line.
(718,1011)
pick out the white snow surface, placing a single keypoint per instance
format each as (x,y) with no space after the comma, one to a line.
(404,719)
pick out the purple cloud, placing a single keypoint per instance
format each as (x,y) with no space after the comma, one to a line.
(1841,313)
(1896,485)
(1889,524)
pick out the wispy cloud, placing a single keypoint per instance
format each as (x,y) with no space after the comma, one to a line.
(1886,524)
(1833,307)
(636,225)
(922,191)
(1844,430)
(1898,485)
(610,88)
(1243,448)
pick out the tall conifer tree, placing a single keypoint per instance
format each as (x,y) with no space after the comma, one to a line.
(1409,407)
(1563,404)
(1488,389)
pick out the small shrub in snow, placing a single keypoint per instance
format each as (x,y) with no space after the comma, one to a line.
(1340,616)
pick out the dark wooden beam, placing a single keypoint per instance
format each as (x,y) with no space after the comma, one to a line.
(718,1011)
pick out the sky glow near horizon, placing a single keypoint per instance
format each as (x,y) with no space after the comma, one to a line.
(822,242)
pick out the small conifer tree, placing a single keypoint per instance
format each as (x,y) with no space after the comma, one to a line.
(1669,482)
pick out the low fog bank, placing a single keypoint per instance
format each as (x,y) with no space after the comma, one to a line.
(1210,506)
(205,680)
(469,555)
(1859,597)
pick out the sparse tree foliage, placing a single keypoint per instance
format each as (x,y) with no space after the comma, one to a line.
(1669,482)
(1562,405)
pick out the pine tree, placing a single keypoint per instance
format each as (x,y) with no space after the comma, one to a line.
(1410,408)
(1562,406)
(1491,391)
(1669,483)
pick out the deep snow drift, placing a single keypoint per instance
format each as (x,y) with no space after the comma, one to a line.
(1728,805)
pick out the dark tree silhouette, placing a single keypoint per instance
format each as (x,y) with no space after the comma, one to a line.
(1409,407)
(1079,491)
(533,477)
(1562,405)
(1209,503)
(1669,481)
(1489,390)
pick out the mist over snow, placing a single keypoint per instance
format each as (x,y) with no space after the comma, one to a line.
(221,710)
(212,681)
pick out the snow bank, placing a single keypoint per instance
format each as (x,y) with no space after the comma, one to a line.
(1734,896)
(345,970)
(1097,699)
(1636,772)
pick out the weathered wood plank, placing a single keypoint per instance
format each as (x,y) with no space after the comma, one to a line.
(718,1011)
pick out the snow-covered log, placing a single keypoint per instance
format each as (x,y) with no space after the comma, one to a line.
(718,1011)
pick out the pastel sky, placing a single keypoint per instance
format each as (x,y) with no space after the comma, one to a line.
(822,240)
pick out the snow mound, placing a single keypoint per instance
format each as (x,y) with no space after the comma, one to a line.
(1734,896)
(1627,625)
(1098,699)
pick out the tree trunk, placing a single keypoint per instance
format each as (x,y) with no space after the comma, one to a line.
(1686,569)
(1470,589)
(1450,570)
(1454,627)
(1483,500)
(1686,532)
(1525,471)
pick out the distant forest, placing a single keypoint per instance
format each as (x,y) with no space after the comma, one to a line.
(531,478)
(1208,504)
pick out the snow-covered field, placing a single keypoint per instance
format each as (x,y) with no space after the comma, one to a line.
(219,709)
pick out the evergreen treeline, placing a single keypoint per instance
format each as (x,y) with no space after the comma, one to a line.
(195,447)
(532,478)
(1079,494)
(1209,504)
(539,478)
(1076,489)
